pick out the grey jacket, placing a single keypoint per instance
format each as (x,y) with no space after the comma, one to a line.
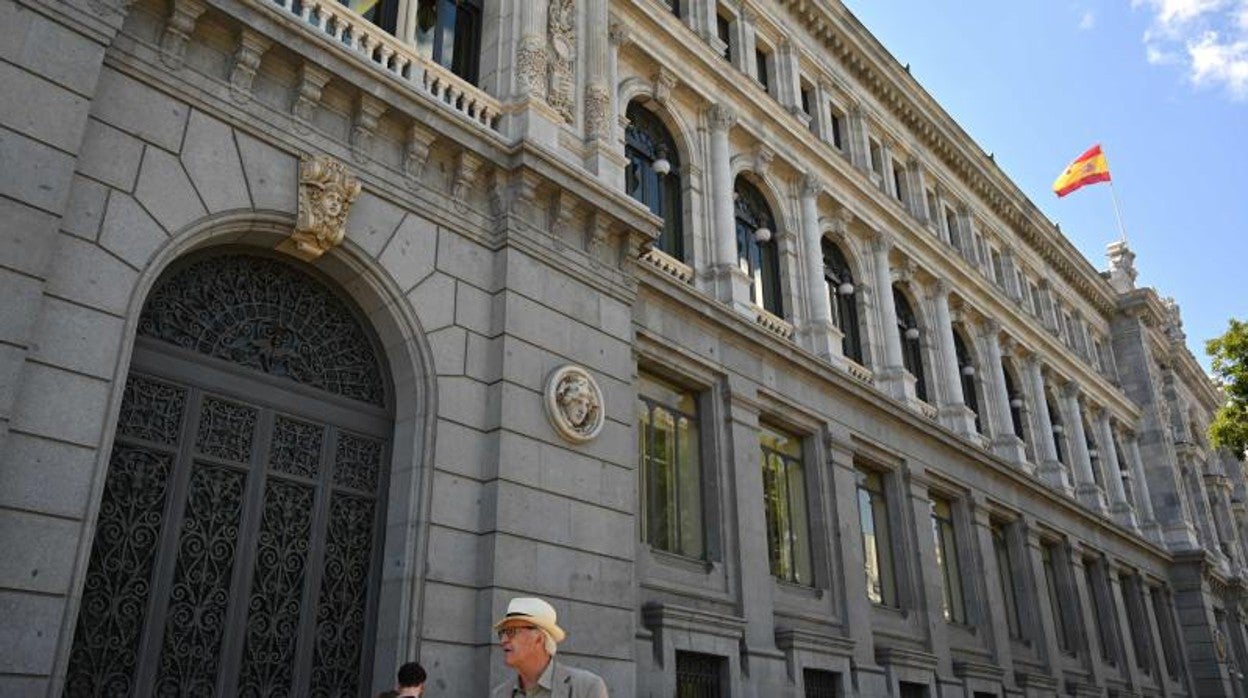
(558,681)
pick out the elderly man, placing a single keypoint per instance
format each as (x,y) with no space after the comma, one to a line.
(529,636)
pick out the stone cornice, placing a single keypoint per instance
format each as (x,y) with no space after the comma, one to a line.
(893,87)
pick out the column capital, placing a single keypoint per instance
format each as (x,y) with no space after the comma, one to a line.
(1070,390)
(941,288)
(881,241)
(722,117)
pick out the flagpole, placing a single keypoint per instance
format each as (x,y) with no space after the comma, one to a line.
(1122,231)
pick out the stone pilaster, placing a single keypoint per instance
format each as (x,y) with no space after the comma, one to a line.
(821,335)
(1086,488)
(954,413)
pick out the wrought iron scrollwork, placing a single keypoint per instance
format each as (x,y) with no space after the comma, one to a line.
(266,315)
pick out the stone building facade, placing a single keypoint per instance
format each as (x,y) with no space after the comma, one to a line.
(327,330)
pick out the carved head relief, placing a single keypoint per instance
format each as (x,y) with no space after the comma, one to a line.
(326,191)
(574,403)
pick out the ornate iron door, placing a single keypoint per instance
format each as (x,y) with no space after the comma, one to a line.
(237,543)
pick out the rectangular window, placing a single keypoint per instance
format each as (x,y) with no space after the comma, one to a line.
(877,160)
(837,119)
(1165,626)
(1096,596)
(784,505)
(1034,291)
(998,269)
(699,675)
(723,29)
(448,32)
(761,60)
(674,6)
(1137,624)
(899,181)
(877,547)
(951,227)
(807,99)
(671,468)
(931,203)
(1049,556)
(1005,568)
(954,605)
(821,684)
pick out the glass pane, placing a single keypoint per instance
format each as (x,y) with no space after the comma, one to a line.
(953,573)
(773,508)
(783,443)
(689,488)
(799,525)
(883,542)
(445,46)
(870,551)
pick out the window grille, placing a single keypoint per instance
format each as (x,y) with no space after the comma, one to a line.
(699,675)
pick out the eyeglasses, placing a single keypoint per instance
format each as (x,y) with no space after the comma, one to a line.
(507,633)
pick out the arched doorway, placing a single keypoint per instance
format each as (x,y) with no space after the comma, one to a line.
(237,546)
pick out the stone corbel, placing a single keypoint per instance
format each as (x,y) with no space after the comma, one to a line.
(312,81)
(251,48)
(178,29)
(368,109)
(419,142)
(562,212)
(326,191)
(467,166)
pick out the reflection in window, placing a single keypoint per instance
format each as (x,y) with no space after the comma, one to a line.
(652,174)
(946,560)
(877,550)
(954,605)
(448,32)
(911,344)
(784,504)
(841,291)
(671,469)
(756,246)
(383,13)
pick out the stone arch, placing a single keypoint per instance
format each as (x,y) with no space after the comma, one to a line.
(670,191)
(920,360)
(404,350)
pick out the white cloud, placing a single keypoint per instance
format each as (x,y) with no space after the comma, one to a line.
(1207,38)
(1087,21)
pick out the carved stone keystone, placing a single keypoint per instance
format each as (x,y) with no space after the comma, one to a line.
(326,192)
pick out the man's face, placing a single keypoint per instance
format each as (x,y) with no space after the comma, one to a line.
(522,644)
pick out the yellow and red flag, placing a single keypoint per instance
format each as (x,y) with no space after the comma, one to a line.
(1089,168)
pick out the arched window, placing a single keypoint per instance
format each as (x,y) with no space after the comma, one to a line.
(652,174)
(911,346)
(1058,429)
(841,293)
(448,32)
(1016,400)
(1094,454)
(966,373)
(756,246)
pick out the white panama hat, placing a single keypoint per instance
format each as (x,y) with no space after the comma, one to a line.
(535,612)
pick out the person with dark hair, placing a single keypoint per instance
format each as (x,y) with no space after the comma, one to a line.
(411,680)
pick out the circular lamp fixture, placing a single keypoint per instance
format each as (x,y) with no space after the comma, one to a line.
(968,370)
(762,235)
(1016,402)
(1094,453)
(912,333)
(661,166)
(1058,428)
(845,289)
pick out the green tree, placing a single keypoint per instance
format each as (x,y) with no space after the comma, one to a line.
(1230,369)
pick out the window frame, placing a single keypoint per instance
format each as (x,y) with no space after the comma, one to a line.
(647,138)
(945,534)
(876,500)
(699,486)
(800,534)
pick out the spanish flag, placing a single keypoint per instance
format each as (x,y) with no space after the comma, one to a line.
(1089,168)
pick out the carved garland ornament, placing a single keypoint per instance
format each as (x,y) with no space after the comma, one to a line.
(561,29)
(574,404)
(326,192)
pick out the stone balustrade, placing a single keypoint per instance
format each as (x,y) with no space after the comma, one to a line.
(668,264)
(338,23)
(773,323)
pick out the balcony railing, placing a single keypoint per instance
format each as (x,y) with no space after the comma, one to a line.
(668,264)
(773,323)
(858,372)
(338,23)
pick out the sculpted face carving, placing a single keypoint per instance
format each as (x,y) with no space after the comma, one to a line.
(326,192)
(574,404)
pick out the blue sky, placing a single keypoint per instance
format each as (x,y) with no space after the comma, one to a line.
(1162,85)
